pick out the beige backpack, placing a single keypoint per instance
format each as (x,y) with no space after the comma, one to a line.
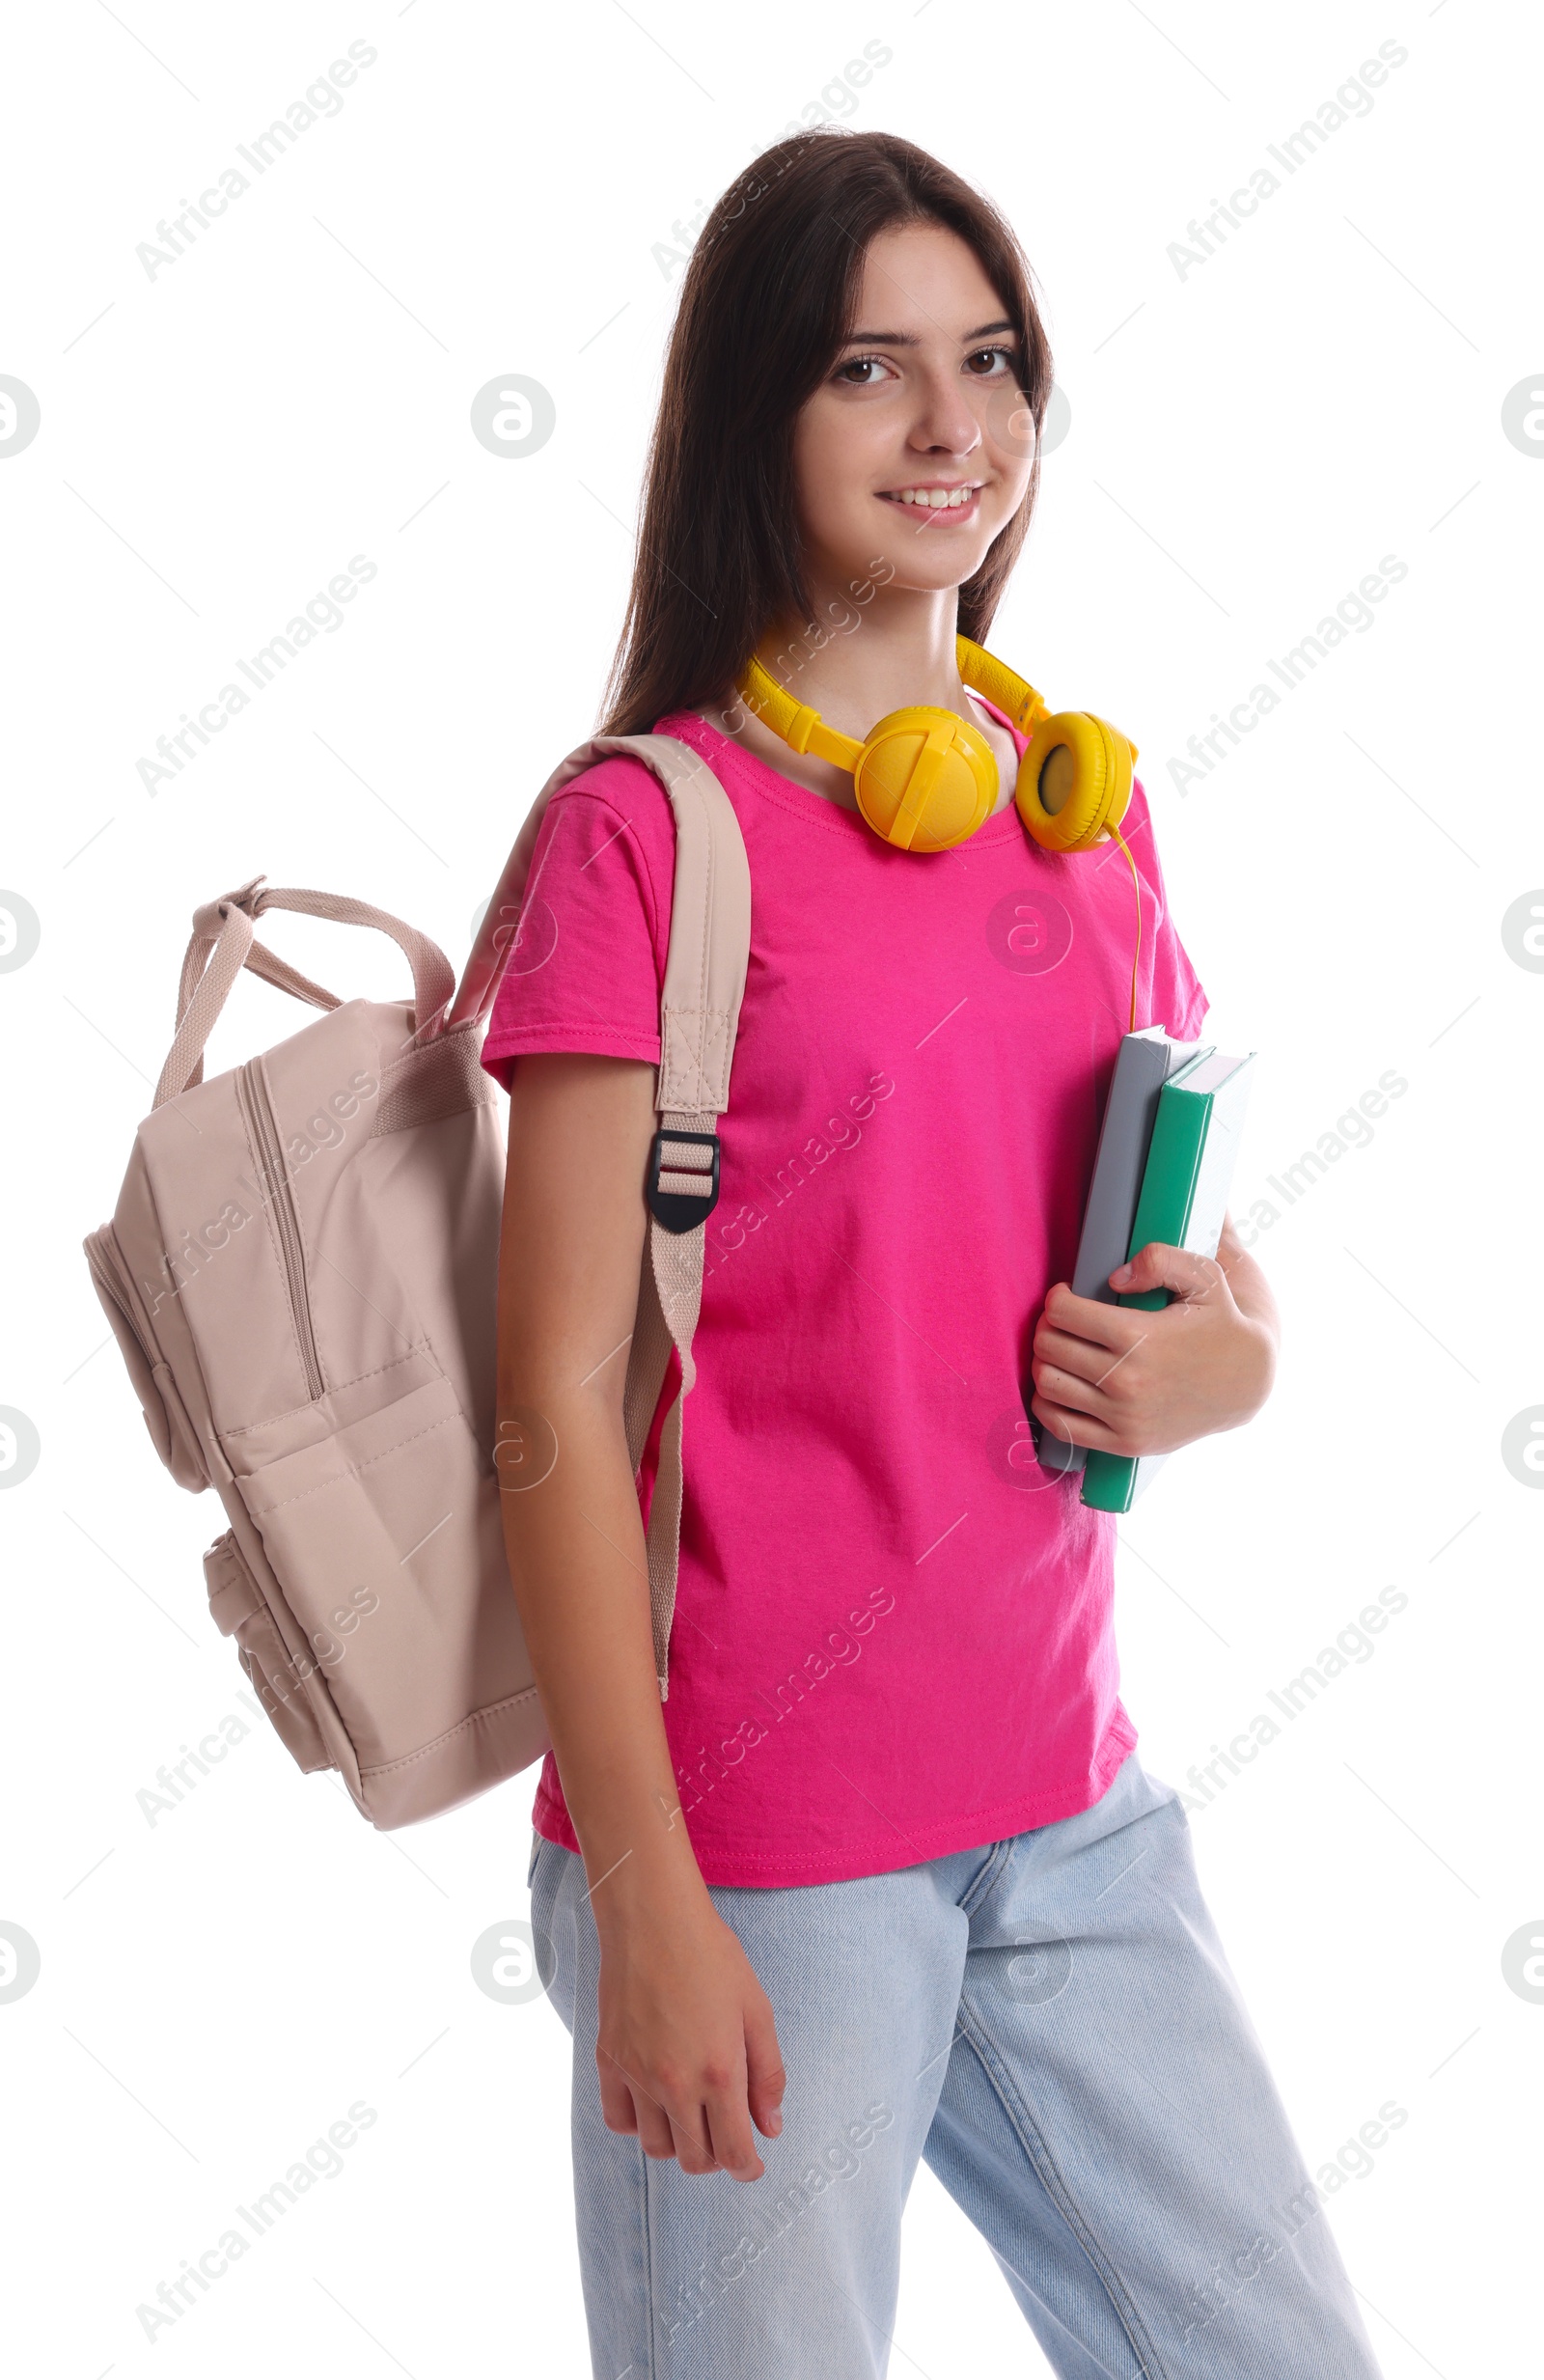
(301,1273)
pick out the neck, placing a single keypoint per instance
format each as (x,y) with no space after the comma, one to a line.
(894,648)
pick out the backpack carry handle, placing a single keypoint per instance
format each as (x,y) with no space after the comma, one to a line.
(207,925)
(224,941)
(433,976)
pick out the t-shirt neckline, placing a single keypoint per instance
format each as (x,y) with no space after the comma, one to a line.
(997,828)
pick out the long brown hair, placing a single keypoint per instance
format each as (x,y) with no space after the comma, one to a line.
(767,302)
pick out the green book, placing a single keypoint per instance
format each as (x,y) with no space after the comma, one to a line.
(1182,1202)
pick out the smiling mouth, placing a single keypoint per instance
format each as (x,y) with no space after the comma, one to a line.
(928,504)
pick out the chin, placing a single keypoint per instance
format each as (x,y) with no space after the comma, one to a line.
(950,571)
(922,559)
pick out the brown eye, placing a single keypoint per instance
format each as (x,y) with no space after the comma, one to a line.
(858,363)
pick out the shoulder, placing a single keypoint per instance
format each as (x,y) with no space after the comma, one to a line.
(626,785)
(605,850)
(617,805)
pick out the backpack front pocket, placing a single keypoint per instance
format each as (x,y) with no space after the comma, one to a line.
(240,1609)
(386,1539)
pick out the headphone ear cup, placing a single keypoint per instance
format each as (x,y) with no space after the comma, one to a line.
(926,779)
(1074,780)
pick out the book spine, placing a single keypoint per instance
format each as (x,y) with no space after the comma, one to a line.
(1109,1481)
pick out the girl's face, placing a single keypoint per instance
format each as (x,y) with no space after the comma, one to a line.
(918,445)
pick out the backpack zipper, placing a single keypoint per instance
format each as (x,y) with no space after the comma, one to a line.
(252,1097)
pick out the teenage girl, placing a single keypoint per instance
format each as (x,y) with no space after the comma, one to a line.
(883,1878)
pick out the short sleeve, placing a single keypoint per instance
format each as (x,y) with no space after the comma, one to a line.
(588,965)
(1176,997)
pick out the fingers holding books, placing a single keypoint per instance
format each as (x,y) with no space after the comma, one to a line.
(1135,1380)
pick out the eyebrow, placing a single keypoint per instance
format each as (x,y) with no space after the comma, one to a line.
(904,339)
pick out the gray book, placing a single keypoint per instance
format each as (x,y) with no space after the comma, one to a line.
(1143,1064)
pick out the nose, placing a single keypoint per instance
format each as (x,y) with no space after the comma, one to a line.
(944,415)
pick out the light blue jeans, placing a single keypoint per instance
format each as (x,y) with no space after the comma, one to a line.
(1050,2021)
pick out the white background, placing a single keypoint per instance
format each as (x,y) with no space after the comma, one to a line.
(1249,437)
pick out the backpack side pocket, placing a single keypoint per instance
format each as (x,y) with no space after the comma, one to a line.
(172,1433)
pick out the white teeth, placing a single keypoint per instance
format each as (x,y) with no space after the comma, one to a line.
(935,499)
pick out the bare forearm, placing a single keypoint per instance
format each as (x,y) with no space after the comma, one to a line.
(577,1562)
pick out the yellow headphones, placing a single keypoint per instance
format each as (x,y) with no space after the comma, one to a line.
(926,779)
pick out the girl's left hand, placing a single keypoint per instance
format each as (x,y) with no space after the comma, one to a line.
(1138,1383)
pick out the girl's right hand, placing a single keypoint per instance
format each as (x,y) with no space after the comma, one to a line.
(687,2048)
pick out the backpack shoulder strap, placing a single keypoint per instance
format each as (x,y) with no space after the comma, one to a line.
(699,1008)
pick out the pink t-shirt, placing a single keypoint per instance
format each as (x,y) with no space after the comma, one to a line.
(892,1630)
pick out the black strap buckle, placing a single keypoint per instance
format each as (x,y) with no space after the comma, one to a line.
(680,1210)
